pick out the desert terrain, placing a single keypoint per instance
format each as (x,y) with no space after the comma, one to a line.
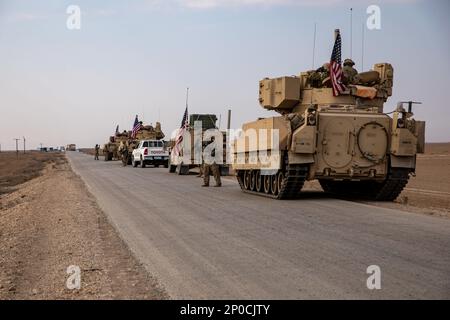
(49,221)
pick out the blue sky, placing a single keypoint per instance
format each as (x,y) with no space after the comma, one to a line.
(138,57)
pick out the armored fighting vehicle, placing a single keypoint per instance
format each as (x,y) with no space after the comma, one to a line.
(347,142)
(111,148)
(177,165)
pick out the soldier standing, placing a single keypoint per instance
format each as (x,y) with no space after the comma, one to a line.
(123,149)
(97,149)
(348,71)
(214,168)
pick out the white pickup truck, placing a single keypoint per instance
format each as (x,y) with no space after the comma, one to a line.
(150,152)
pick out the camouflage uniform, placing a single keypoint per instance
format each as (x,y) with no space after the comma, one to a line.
(123,150)
(214,168)
(97,149)
(317,77)
(349,72)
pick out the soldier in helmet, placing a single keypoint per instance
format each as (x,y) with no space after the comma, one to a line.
(213,167)
(318,77)
(349,72)
(97,149)
(123,150)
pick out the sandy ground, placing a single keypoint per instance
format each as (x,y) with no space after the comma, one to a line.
(18,168)
(42,233)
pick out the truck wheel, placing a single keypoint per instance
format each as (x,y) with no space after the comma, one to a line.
(166,165)
(133,162)
(172,169)
(142,163)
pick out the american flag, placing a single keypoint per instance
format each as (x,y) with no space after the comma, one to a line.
(336,68)
(181,131)
(136,126)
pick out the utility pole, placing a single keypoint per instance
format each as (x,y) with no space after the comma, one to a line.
(17,147)
(24,144)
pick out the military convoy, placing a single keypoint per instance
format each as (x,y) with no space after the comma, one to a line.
(111,149)
(347,142)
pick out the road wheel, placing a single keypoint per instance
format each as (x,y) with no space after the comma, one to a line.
(274,185)
(142,163)
(134,163)
(280,178)
(247,178)
(172,168)
(253,180)
(258,182)
(267,183)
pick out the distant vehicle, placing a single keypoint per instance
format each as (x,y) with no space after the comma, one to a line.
(71,147)
(150,152)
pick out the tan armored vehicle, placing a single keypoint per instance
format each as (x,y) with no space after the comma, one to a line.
(347,142)
(111,148)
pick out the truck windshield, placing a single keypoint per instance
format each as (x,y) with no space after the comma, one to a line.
(155,144)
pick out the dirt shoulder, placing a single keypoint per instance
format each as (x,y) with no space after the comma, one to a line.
(52,222)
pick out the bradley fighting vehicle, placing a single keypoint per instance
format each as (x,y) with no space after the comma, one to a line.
(347,142)
(111,148)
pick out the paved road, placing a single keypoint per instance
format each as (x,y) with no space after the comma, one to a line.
(222,243)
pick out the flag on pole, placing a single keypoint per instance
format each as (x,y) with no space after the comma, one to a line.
(136,126)
(336,68)
(179,137)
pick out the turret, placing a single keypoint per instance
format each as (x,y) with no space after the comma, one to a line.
(312,88)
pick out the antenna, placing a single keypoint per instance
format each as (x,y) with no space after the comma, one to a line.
(362,49)
(314,45)
(187,96)
(351,33)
